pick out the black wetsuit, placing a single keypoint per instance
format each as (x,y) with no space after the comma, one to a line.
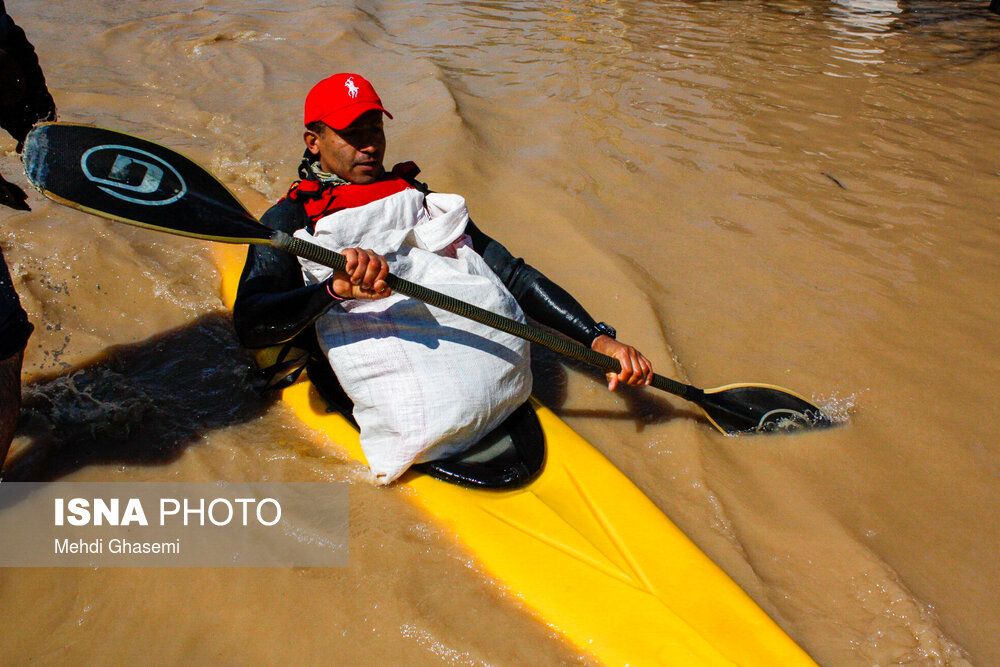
(36,104)
(274,305)
(17,118)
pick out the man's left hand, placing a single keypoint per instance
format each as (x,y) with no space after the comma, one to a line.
(636,369)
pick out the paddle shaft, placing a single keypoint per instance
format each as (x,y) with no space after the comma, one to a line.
(93,169)
(557,344)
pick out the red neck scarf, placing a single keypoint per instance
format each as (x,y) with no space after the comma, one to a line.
(320,198)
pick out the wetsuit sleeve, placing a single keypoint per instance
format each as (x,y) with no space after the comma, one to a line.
(273,304)
(35,104)
(542,300)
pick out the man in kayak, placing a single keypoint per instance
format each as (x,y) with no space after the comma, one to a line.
(342,170)
(24,100)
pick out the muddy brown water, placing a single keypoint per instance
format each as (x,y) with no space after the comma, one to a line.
(796,192)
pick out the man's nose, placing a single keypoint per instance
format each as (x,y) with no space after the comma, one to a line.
(370,142)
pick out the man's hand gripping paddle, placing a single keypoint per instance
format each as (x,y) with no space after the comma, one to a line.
(131,180)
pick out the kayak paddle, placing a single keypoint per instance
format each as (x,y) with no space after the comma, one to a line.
(136,181)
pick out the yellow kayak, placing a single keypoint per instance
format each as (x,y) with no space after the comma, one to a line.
(577,541)
(583,547)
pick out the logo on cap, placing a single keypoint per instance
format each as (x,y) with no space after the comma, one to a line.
(133,175)
(352,89)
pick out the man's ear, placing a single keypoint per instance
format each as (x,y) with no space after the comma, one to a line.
(312,141)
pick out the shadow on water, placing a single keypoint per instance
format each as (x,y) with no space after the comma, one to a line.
(643,406)
(144,404)
(973,21)
(968,28)
(140,404)
(915,13)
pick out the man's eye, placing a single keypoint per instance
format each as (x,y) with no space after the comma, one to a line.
(360,135)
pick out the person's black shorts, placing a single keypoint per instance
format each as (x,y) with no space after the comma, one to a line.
(14,325)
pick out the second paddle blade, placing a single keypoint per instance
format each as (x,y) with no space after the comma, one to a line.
(125,178)
(757,408)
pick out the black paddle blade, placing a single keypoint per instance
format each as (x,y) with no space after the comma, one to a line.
(760,408)
(136,181)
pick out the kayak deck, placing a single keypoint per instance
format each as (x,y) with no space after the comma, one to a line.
(584,548)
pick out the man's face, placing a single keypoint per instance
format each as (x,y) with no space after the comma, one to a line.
(354,153)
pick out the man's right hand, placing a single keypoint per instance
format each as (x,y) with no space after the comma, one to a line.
(13,196)
(363,277)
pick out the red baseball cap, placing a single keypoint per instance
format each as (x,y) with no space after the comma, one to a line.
(339,100)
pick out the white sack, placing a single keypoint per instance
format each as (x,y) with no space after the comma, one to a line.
(425,383)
